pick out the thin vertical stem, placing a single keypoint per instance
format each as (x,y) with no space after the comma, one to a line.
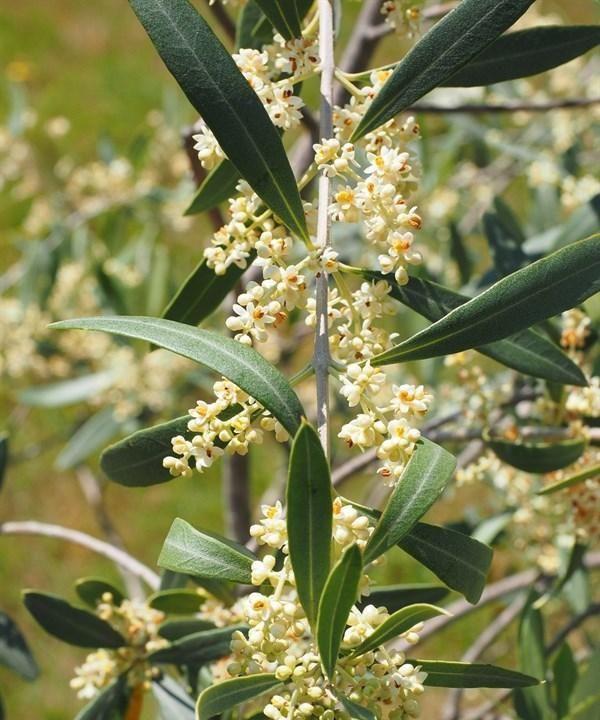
(321,359)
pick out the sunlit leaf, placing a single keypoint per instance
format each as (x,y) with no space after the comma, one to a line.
(204,554)
(526,351)
(571,480)
(425,477)
(309,518)
(242,365)
(230,693)
(440,53)
(209,77)
(399,622)
(339,595)
(526,52)
(541,290)
(444,673)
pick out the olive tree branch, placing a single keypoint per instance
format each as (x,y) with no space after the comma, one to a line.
(100,547)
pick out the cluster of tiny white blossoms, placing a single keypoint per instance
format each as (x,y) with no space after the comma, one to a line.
(223,426)
(139,625)
(272,73)
(279,639)
(402,15)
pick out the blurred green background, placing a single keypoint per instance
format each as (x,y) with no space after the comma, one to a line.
(92,63)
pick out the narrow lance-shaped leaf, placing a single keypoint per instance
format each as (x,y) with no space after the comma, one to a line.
(71,624)
(395,597)
(14,651)
(172,700)
(201,647)
(91,590)
(339,595)
(218,186)
(357,712)
(538,457)
(543,289)
(399,622)
(204,554)
(286,15)
(526,52)
(69,392)
(444,673)
(457,559)
(178,601)
(571,480)
(242,365)
(527,351)
(92,435)
(216,88)
(441,52)
(565,674)
(178,629)
(425,477)
(253,29)
(202,293)
(229,694)
(309,518)
(136,461)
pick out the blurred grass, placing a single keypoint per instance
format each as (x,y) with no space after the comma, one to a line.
(92,63)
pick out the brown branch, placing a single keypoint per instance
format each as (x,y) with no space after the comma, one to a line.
(100,547)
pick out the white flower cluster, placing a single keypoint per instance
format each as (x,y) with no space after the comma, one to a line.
(279,640)
(139,624)
(272,73)
(223,426)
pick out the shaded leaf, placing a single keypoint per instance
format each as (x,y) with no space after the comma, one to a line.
(506,248)
(177,601)
(357,712)
(572,480)
(286,15)
(71,624)
(526,351)
(14,650)
(339,595)
(110,704)
(204,554)
(444,673)
(230,693)
(91,590)
(68,392)
(209,77)
(457,559)
(136,461)
(202,293)
(394,597)
(93,434)
(538,457)
(532,659)
(399,622)
(218,186)
(253,29)
(423,480)
(564,670)
(526,52)
(543,289)
(452,42)
(177,629)
(585,699)
(242,365)
(198,648)
(309,518)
